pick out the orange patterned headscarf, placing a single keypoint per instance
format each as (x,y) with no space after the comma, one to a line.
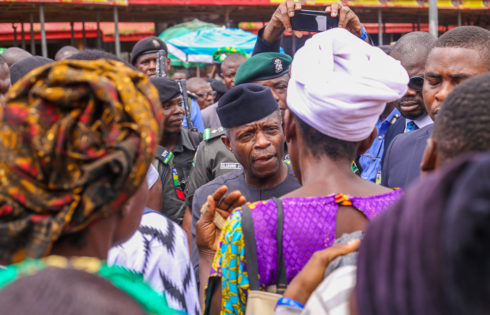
(77,138)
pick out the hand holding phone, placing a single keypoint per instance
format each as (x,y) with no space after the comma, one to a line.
(313,21)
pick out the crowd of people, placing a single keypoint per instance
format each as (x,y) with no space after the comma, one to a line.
(346,179)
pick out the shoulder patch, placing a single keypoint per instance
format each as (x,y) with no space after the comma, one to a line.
(213,133)
(206,134)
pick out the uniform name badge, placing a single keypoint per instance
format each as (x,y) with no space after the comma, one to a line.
(230,166)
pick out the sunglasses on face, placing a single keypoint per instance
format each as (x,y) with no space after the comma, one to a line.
(206,94)
(416,83)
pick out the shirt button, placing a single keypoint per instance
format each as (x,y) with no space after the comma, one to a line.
(380,138)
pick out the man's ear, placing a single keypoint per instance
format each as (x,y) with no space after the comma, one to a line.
(365,144)
(168,64)
(289,125)
(226,142)
(429,159)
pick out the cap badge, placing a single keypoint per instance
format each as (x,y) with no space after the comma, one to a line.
(278,65)
(156,43)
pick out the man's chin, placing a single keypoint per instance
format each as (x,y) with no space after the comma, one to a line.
(413,115)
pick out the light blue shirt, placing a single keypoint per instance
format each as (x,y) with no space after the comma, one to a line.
(371,160)
(195,117)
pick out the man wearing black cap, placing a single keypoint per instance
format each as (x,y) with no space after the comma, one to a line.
(176,151)
(213,158)
(144,55)
(252,121)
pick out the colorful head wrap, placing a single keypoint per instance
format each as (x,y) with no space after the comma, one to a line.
(429,253)
(77,138)
(220,55)
(340,84)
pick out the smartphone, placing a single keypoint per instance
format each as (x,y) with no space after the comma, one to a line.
(313,21)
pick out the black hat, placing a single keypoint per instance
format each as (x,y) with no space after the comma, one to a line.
(145,46)
(245,103)
(167,88)
(19,69)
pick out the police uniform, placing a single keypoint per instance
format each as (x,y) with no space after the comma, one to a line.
(174,168)
(212,159)
(235,181)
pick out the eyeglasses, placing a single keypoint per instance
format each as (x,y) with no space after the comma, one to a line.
(416,83)
(206,94)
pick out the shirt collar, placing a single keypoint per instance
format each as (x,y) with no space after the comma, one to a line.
(421,121)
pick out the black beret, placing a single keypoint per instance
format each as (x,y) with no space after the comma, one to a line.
(19,69)
(244,104)
(167,88)
(145,46)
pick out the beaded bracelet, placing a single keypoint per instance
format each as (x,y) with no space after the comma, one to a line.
(289,302)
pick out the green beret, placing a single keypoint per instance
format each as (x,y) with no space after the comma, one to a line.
(264,66)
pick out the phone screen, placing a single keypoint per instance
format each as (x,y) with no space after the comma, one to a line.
(313,21)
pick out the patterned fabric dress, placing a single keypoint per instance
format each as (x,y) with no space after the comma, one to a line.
(309,226)
(159,251)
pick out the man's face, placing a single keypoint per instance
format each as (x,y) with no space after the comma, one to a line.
(446,67)
(279,88)
(173,113)
(147,64)
(228,72)
(4,82)
(259,146)
(205,95)
(411,105)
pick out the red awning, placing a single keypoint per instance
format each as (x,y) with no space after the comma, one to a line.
(127,31)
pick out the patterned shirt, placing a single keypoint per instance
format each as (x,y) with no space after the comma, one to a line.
(159,251)
(309,226)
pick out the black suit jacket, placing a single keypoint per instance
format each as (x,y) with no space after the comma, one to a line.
(402,161)
(394,130)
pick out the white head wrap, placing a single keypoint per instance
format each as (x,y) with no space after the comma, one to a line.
(340,84)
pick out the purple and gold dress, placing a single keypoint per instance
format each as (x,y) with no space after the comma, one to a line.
(309,226)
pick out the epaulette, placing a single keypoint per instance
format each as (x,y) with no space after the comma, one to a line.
(394,119)
(213,133)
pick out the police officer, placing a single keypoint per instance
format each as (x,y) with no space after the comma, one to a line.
(254,134)
(213,158)
(177,148)
(144,55)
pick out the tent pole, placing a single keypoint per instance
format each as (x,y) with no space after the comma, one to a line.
(433,18)
(15,34)
(460,20)
(23,35)
(380,27)
(99,37)
(116,32)
(44,44)
(33,40)
(72,38)
(84,35)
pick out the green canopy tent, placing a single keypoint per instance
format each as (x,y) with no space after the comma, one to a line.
(183,29)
